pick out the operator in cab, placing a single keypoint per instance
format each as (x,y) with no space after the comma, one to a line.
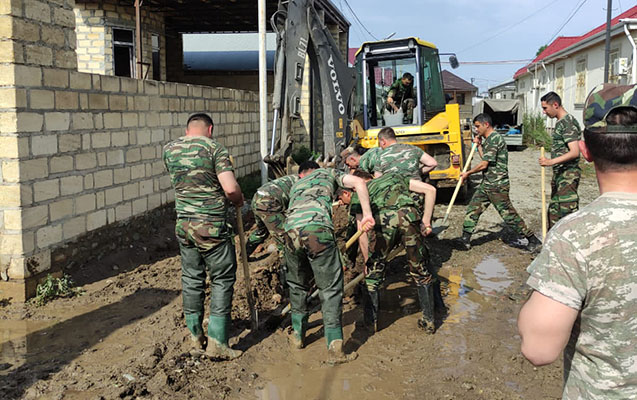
(402,96)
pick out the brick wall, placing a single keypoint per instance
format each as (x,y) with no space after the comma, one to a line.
(81,151)
(94,23)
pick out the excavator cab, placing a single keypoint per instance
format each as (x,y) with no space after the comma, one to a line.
(381,65)
(422,117)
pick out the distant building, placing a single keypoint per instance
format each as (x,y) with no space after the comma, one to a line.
(458,91)
(503,91)
(572,66)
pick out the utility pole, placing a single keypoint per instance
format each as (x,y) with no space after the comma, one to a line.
(607,50)
(263,92)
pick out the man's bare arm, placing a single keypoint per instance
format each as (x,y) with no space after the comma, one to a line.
(359,185)
(430,198)
(427,163)
(545,326)
(231,187)
(573,153)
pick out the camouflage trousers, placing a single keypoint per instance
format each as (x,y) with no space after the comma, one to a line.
(206,249)
(564,198)
(394,227)
(312,251)
(499,197)
(268,223)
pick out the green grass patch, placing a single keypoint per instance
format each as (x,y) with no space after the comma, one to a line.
(53,288)
(535,132)
(588,169)
(249,184)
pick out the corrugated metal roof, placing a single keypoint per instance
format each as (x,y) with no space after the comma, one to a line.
(225,60)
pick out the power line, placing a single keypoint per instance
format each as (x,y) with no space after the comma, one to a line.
(524,61)
(359,21)
(508,27)
(567,20)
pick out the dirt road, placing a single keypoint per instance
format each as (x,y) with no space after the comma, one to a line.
(125,337)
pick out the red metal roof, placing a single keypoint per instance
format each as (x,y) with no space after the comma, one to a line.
(564,42)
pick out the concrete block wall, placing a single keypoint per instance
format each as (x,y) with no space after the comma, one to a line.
(95,20)
(81,151)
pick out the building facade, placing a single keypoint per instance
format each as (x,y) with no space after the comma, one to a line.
(573,66)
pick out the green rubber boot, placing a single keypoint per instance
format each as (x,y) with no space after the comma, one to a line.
(335,353)
(218,348)
(426,300)
(299,326)
(371,304)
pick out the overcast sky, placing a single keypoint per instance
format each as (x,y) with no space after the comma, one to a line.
(478,30)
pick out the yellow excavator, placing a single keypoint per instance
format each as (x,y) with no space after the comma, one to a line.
(430,124)
(354,100)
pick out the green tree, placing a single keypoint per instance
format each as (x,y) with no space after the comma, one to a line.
(541,49)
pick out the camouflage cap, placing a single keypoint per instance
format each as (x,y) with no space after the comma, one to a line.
(602,100)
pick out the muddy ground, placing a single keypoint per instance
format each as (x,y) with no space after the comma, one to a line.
(125,336)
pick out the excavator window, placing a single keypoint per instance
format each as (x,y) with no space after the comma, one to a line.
(386,79)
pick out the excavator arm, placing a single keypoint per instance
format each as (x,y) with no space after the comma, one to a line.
(301,34)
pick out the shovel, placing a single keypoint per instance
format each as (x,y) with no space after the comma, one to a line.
(438,228)
(246,271)
(543,198)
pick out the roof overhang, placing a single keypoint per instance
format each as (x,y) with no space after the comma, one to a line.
(616,30)
(214,16)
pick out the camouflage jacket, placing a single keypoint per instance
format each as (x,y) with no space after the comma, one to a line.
(588,263)
(494,150)
(400,92)
(193,164)
(311,199)
(274,196)
(400,158)
(370,159)
(566,130)
(388,192)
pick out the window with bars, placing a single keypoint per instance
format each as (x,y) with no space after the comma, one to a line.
(580,81)
(559,81)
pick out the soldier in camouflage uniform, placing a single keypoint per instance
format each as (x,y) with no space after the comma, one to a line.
(397,222)
(409,161)
(584,280)
(565,159)
(402,95)
(204,182)
(366,161)
(494,188)
(269,204)
(310,249)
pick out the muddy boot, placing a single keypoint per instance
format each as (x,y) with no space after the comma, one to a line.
(336,355)
(371,304)
(426,300)
(464,241)
(220,351)
(535,245)
(218,348)
(198,345)
(299,327)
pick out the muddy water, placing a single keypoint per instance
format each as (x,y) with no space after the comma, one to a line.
(377,373)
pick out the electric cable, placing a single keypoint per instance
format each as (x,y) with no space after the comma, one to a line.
(359,21)
(567,20)
(501,31)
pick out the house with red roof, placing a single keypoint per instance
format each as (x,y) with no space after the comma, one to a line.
(572,66)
